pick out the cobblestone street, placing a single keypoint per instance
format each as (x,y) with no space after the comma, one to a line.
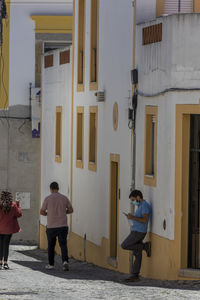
(28,279)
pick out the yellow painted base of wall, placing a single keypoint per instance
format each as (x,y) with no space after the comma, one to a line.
(161,265)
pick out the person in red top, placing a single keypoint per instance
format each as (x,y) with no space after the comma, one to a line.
(9,212)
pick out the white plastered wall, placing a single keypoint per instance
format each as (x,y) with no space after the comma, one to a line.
(91,198)
(56,91)
(174,62)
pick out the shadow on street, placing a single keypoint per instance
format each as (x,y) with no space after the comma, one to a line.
(86,271)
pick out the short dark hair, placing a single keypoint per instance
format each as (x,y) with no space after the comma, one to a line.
(136,193)
(54,186)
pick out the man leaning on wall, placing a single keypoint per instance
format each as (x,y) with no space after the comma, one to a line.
(134,241)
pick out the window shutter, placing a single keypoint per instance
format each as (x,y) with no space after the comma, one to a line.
(172,6)
(186,6)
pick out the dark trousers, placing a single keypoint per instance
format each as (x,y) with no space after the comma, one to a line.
(4,246)
(134,242)
(52,234)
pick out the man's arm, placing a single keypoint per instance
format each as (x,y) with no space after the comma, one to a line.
(43,212)
(144,218)
(69,210)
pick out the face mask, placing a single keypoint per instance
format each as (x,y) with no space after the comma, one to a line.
(135,202)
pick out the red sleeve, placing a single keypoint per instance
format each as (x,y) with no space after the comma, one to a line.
(17,211)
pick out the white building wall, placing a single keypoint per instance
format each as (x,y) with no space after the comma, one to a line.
(91,195)
(167,64)
(22,43)
(56,91)
(146,11)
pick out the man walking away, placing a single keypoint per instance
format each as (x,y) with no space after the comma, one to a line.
(56,207)
(134,241)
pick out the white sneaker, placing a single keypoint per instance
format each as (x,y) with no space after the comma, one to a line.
(65,266)
(49,267)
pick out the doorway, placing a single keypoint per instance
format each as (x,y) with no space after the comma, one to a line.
(194,194)
(114,204)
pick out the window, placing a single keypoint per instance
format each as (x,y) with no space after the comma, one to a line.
(80,136)
(93,138)
(94,45)
(150,145)
(81,45)
(48,61)
(58,139)
(65,57)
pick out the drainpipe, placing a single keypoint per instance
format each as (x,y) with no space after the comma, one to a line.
(134,106)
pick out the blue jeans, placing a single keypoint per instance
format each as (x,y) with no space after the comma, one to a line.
(52,234)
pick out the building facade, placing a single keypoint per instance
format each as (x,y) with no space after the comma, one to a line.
(27,32)
(167,141)
(108,42)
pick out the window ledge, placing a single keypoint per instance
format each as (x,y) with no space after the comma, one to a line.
(92,166)
(79,164)
(149,176)
(189,273)
(80,87)
(93,86)
(58,159)
(150,180)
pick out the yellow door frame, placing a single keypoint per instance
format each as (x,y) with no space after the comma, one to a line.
(183,113)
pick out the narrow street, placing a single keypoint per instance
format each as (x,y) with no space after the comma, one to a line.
(28,279)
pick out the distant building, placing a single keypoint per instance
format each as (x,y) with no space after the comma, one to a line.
(27,34)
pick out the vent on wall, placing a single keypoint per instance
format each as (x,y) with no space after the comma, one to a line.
(152,34)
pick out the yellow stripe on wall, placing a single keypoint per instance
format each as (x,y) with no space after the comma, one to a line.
(53,24)
(4,62)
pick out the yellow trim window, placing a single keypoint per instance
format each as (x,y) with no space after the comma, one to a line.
(93,119)
(79,136)
(94,37)
(81,46)
(58,137)
(150,159)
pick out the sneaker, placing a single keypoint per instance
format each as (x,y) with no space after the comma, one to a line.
(65,266)
(133,278)
(5,266)
(147,248)
(1,267)
(49,267)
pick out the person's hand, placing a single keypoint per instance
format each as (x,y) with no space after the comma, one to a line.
(129,216)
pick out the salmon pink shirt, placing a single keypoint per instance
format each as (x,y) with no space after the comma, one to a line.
(8,222)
